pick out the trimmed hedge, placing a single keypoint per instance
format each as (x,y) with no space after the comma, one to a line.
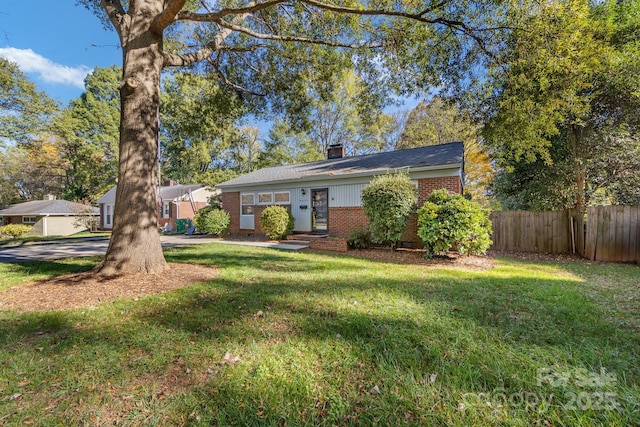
(388,201)
(276,222)
(447,221)
(211,220)
(14,230)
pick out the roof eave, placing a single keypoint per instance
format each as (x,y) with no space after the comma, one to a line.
(311,178)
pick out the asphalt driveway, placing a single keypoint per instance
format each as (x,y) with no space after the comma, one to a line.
(80,248)
(94,247)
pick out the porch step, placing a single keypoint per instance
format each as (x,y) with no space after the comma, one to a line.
(296,242)
(306,237)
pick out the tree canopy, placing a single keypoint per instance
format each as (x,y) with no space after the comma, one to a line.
(565,103)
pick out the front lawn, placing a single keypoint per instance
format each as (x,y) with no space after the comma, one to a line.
(292,338)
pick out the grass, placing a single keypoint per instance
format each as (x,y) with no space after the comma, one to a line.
(287,338)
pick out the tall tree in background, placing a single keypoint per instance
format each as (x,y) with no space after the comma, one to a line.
(285,146)
(267,46)
(440,122)
(567,101)
(89,128)
(246,149)
(24,111)
(348,115)
(198,116)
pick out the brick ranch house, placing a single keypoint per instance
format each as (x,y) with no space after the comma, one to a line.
(174,202)
(325,196)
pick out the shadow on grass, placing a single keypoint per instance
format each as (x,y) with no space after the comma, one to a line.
(353,328)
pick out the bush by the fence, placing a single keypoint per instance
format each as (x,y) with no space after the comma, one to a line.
(276,222)
(14,230)
(448,220)
(388,201)
(211,220)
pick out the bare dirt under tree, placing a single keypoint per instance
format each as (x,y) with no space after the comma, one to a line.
(86,289)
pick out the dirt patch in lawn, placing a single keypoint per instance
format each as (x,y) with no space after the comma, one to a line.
(416,256)
(85,289)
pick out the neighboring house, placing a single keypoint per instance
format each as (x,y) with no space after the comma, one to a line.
(49,217)
(325,196)
(174,202)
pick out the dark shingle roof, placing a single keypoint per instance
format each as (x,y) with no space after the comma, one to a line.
(47,207)
(170,192)
(415,158)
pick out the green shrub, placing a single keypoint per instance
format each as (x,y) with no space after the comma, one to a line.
(388,201)
(212,220)
(14,230)
(359,239)
(276,222)
(448,220)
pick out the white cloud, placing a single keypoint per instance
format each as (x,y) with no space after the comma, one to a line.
(47,70)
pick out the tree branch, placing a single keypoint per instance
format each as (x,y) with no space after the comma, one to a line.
(276,37)
(228,82)
(215,16)
(167,16)
(116,14)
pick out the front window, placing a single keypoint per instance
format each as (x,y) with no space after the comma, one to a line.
(247,204)
(265,198)
(29,219)
(281,198)
(166,209)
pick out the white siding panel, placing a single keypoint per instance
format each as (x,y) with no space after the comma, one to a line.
(347,195)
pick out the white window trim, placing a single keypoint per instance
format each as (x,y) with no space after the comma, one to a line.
(166,209)
(288,193)
(253,196)
(27,219)
(108,215)
(270,202)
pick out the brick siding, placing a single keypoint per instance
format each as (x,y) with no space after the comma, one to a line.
(345,219)
(330,244)
(231,204)
(427,185)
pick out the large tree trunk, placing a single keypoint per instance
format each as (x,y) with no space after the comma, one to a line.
(135,242)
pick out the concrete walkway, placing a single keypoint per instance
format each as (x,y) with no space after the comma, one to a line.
(274,245)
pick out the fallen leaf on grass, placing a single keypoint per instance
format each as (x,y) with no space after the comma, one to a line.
(375,390)
(228,359)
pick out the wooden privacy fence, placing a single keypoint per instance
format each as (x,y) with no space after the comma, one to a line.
(613,233)
(531,231)
(610,233)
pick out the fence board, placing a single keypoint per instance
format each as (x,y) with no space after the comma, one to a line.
(610,233)
(528,231)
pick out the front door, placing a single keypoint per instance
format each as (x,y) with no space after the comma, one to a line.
(320,210)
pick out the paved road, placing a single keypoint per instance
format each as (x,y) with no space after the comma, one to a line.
(43,252)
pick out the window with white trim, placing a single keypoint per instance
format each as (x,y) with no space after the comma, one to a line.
(281,198)
(166,209)
(265,198)
(108,218)
(247,202)
(29,219)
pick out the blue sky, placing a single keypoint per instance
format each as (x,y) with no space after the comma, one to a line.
(56,44)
